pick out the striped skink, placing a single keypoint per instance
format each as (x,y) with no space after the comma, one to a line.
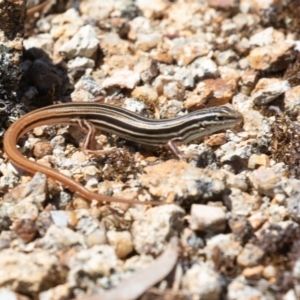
(118,121)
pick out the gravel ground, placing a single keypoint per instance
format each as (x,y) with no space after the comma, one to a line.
(230,228)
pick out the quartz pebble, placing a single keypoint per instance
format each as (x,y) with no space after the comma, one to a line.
(207,218)
(123,79)
(250,256)
(201,281)
(84,43)
(154,227)
(122,241)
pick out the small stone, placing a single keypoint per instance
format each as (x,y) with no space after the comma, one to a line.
(24,229)
(264,180)
(290,295)
(84,43)
(226,57)
(66,24)
(253,121)
(292,100)
(248,81)
(224,244)
(58,143)
(253,273)
(135,106)
(267,36)
(202,282)
(208,93)
(238,289)
(28,195)
(207,218)
(256,220)
(88,84)
(269,92)
(174,90)
(250,256)
(23,210)
(240,227)
(79,156)
(90,172)
(81,62)
(184,50)
(121,241)
(274,57)
(123,79)
(151,230)
(242,47)
(97,262)
(256,160)
(169,87)
(184,75)
(239,181)
(270,272)
(145,94)
(43,222)
(42,149)
(171,109)
(217,139)
(277,213)
(222,4)
(147,69)
(229,28)
(57,238)
(145,42)
(240,203)
(162,56)
(204,67)
(43,25)
(97,237)
(63,219)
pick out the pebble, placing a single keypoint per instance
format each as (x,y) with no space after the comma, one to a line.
(253,273)
(147,69)
(238,289)
(269,93)
(84,43)
(41,149)
(185,50)
(150,230)
(207,218)
(204,67)
(169,87)
(264,180)
(123,79)
(274,57)
(202,282)
(122,241)
(250,256)
(210,92)
(258,160)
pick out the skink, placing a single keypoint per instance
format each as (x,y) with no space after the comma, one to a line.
(118,121)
